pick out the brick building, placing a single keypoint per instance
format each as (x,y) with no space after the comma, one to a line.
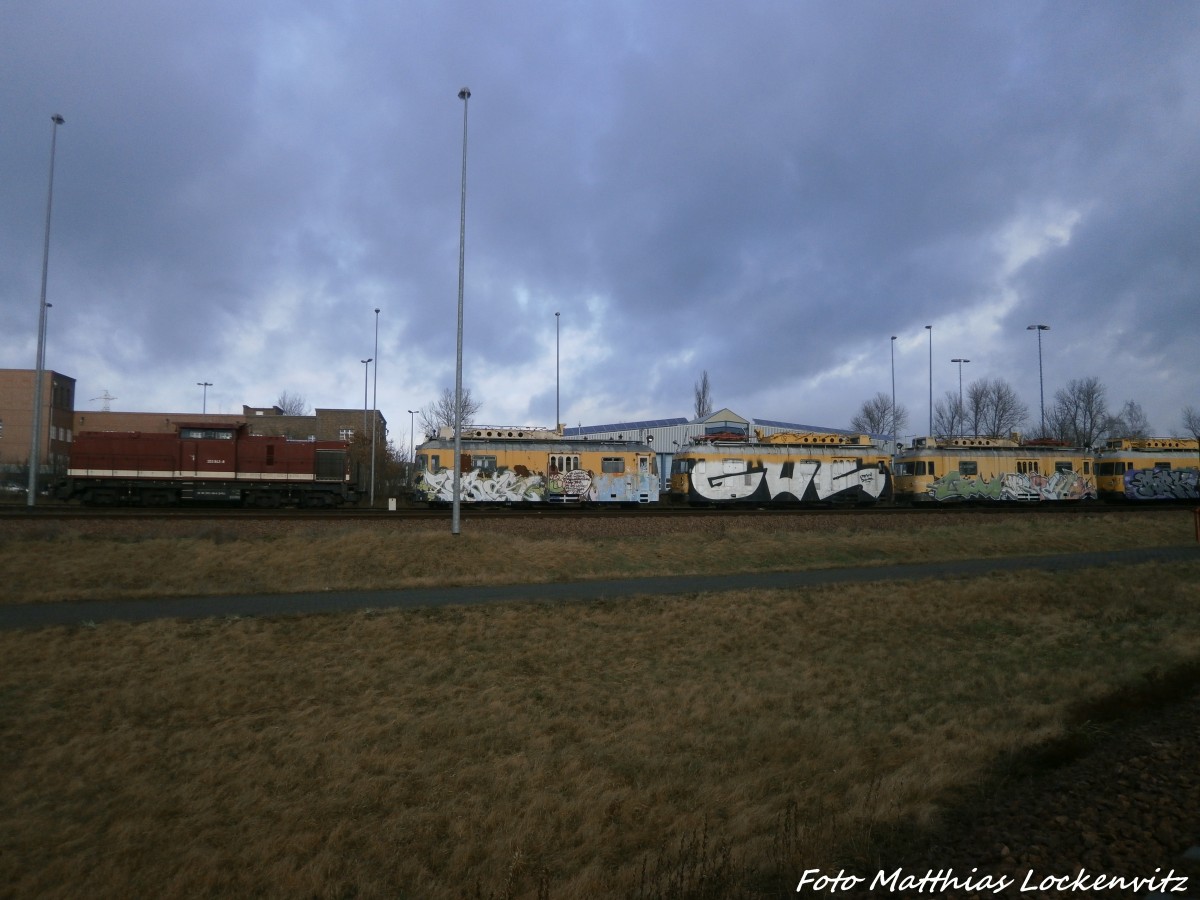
(16,422)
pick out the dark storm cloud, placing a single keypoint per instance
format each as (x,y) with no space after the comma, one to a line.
(766,191)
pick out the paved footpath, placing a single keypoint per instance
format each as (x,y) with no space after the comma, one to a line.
(37,615)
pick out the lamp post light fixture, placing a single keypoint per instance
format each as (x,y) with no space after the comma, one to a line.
(464,95)
(929,328)
(960,365)
(35,450)
(204,397)
(1041,388)
(366,372)
(374,405)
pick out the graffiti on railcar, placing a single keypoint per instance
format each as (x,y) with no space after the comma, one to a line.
(483,487)
(1161,484)
(1013,486)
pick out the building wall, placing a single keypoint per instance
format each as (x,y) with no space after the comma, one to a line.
(16,420)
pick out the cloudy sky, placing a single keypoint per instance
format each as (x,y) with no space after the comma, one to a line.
(764,190)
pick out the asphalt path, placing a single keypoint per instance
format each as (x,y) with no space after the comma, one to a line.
(40,615)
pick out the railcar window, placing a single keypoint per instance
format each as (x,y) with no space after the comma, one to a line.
(422,462)
(612,464)
(1163,464)
(435,463)
(968,467)
(1063,465)
(788,468)
(484,463)
(1027,466)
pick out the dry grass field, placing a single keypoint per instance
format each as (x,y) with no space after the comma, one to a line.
(640,747)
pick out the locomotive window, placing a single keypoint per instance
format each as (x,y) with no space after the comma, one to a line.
(613,464)
(270,454)
(968,467)
(205,434)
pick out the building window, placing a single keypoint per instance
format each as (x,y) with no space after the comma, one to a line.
(346,434)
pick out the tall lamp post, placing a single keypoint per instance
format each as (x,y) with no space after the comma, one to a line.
(929,328)
(893,398)
(204,397)
(960,365)
(464,95)
(366,373)
(374,405)
(35,449)
(412,449)
(557,414)
(1041,389)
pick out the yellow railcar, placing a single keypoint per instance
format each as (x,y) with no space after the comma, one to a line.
(783,469)
(531,465)
(992,470)
(1148,469)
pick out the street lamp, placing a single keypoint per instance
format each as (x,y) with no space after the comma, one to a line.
(412,449)
(464,95)
(929,328)
(557,415)
(366,372)
(960,365)
(35,450)
(893,345)
(374,405)
(204,400)
(1041,389)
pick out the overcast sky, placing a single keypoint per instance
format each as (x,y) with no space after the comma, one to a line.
(764,190)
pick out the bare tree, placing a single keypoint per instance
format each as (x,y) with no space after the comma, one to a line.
(293,404)
(1191,421)
(875,416)
(949,416)
(1080,412)
(993,408)
(703,397)
(1129,422)
(440,413)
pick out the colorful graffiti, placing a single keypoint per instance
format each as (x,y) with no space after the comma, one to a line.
(1013,486)
(1161,484)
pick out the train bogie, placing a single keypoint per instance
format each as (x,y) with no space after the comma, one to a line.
(521,465)
(992,470)
(784,469)
(1149,469)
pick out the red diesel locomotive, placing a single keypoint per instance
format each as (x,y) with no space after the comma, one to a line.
(206,463)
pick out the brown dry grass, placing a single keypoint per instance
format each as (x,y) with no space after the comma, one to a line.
(219,559)
(523,749)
